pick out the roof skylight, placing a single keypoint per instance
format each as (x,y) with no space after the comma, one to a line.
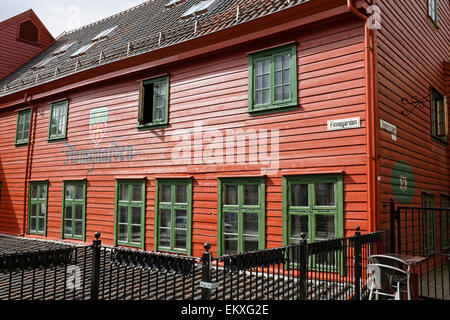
(173,3)
(63,49)
(200,8)
(104,34)
(42,64)
(81,51)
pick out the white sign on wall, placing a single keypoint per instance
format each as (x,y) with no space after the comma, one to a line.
(389,127)
(344,124)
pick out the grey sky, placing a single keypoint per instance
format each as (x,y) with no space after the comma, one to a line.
(65,15)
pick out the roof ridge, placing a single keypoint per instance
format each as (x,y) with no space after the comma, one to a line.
(65,33)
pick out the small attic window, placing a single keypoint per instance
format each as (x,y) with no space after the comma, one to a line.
(173,3)
(28,32)
(200,8)
(42,64)
(63,49)
(104,34)
(81,51)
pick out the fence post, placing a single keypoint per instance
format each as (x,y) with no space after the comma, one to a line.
(303,269)
(206,271)
(95,274)
(392,224)
(358,263)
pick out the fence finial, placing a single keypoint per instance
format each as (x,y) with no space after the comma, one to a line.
(207,246)
(97,235)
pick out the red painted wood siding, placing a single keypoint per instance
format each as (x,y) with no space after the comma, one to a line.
(213,90)
(411,56)
(14,52)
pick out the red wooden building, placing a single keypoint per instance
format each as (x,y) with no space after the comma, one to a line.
(239,123)
(21,38)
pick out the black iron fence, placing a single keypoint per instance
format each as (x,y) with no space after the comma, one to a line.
(328,270)
(424,232)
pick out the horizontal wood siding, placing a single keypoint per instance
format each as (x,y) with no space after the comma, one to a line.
(411,56)
(212,91)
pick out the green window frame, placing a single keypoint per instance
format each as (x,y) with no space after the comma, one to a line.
(37,207)
(153,110)
(313,204)
(173,215)
(273,80)
(439,116)
(129,217)
(241,214)
(57,126)
(445,222)
(73,210)
(433,11)
(23,127)
(428,222)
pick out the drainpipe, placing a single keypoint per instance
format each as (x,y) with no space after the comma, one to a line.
(27,165)
(370,116)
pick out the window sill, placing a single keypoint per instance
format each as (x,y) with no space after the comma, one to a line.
(441,140)
(131,245)
(21,144)
(144,127)
(56,139)
(164,250)
(273,109)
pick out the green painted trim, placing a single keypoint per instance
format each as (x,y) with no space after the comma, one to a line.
(435,95)
(65,104)
(83,202)
(38,184)
(23,141)
(156,124)
(272,107)
(142,205)
(173,206)
(239,209)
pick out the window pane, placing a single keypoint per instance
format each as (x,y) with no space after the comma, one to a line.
(180,239)
(68,227)
(123,214)
(165,195)
(42,192)
(325,227)
(251,194)
(231,222)
(299,195)
(180,219)
(69,211)
(123,232)
(79,212)
(231,195)
(79,194)
(33,210)
(231,244)
(250,223)
(299,224)
(136,215)
(41,224)
(34,192)
(78,228)
(136,193)
(43,210)
(69,192)
(250,243)
(33,224)
(136,234)
(123,192)
(324,194)
(181,194)
(165,218)
(164,237)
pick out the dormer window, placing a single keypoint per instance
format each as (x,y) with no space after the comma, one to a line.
(63,49)
(200,8)
(28,32)
(104,34)
(82,51)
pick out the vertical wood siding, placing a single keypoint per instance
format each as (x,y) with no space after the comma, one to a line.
(212,90)
(411,57)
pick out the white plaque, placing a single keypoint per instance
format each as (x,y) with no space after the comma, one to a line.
(344,124)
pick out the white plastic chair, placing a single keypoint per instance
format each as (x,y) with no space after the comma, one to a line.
(388,273)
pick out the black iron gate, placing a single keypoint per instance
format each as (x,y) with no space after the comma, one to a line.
(424,232)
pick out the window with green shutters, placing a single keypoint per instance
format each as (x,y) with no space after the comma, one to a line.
(433,11)
(445,222)
(241,215)
(313,204)
(37,207)
(438,116)
(58,120)
(173,215)
(130,213)
(154,103)
(273,80)
(428,222)
(23,127)
(74,210)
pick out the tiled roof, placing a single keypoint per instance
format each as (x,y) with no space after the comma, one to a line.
(141,29)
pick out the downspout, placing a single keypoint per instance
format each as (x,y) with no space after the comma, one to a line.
(27,165)
(370,115)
